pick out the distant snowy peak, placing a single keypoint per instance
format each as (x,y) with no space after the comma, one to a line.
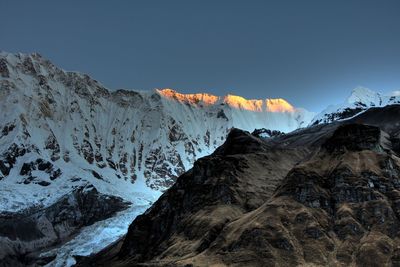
(360,99)
(364,96)
(239,112)
(233,101)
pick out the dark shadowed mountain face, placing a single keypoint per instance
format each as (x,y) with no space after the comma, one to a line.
(328,195)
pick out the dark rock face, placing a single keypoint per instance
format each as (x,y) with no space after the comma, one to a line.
(239,142)
(354,137)
(211,179)
(26,232)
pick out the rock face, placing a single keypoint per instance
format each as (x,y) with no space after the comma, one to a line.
(24,233)
(354,137)
(327,195)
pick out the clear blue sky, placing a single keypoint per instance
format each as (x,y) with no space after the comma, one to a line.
(311,53)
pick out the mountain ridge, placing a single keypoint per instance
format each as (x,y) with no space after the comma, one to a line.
(63,130)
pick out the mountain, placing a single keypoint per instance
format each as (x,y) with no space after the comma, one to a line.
(326,195)
(360,100)
(67,143)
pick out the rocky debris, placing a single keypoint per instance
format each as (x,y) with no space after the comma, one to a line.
(23,234)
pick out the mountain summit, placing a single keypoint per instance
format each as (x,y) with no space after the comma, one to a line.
(233,101)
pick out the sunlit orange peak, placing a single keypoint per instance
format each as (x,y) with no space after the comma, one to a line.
(243,103)
(189,98)
(234,101)
(279,105)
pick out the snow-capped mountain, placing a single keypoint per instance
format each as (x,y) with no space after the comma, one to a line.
(63,132)
(124,140)
(359,100)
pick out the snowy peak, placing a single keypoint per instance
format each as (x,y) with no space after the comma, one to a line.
(193,99)
(233,101)
(279,105)
(364,96)
(360,99)
(69,130)
(239,102)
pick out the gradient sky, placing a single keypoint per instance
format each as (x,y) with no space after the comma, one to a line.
(311,53)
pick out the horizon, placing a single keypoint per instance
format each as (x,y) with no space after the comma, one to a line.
(176,90)
(312,54)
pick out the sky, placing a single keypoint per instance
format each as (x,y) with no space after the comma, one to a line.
(311,52)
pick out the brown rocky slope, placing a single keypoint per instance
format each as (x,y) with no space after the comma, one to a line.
(328,195)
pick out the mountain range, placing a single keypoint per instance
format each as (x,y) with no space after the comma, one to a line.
(67,143)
